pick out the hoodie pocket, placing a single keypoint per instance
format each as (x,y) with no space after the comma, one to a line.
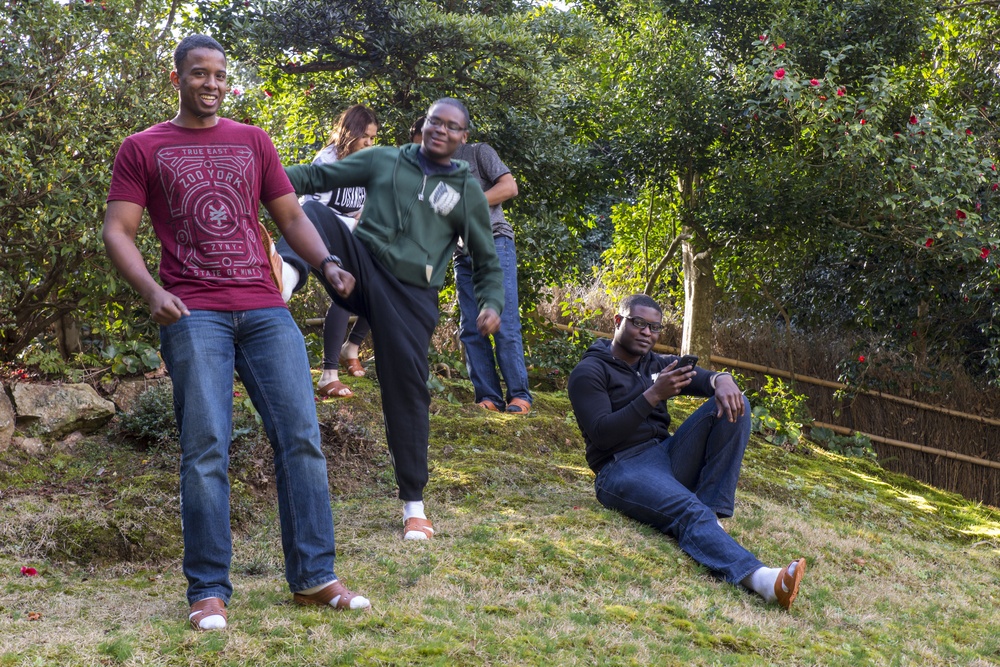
(409,261)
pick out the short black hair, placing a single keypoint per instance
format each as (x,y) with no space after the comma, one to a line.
(192,42)
(641,300)
(451,101)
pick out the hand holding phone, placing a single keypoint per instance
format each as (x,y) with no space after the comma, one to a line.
(687,360)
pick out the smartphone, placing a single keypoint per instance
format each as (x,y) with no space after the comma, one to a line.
(687,360)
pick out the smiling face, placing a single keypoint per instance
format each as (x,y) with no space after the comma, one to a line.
(444,131)
(201,85)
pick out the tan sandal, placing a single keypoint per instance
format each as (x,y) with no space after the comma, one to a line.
(353,366)
(518,406)
(786,586)
(487,404)
(322,598)
(416,528)
(335,389)
(202,609)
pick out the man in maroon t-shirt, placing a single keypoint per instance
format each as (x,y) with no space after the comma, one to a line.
(201,178)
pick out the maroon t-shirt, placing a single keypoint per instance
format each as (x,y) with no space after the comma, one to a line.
(202,188)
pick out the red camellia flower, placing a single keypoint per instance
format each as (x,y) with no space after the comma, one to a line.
(993,167)
(28,571)
(960,214)
(928,243)
(268,93)
(763,37)
(985,253)
(841,92)
(995,186)
(863,121)
(861,359)
(913,333)
(913,119)
(781,46)
(779,73)
(968,132)
(813,82)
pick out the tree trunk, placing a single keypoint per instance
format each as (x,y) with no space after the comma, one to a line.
(699,303)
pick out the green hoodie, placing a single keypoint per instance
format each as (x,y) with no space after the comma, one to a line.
(411,222)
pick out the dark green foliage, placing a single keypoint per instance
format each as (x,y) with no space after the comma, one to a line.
(75,78)
(151,423)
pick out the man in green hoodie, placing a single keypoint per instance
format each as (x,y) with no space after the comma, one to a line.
(419,203)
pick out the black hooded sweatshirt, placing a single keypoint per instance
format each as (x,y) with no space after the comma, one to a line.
(610,409)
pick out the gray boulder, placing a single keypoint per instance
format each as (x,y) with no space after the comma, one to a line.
(8,419)
(55,410)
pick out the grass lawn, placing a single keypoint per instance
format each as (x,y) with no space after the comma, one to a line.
(526,567)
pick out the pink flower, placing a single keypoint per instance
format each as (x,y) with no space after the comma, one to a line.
(985,253)
(995,187)
(779,73)
(913,119)
(928,243)
(813,82)
(268,93)
(841,92)
(968,132)
(993,167)
(236,92)
(28,571)
(861,359)
(763,37)
(960,214)
(781,46)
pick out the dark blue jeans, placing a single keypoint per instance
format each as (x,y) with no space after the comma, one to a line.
(506,350)
(681,485)
(266,348)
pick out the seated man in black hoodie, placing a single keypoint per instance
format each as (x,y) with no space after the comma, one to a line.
(680,484)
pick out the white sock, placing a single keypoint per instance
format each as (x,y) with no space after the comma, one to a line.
(289,279)
(213,622)
(413,508)
(357,602)
(762,581)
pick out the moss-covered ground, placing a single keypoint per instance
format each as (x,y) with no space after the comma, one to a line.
(526,567)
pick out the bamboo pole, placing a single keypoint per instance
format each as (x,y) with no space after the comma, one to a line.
(843,430)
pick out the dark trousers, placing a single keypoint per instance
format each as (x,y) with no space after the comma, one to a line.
(402,318)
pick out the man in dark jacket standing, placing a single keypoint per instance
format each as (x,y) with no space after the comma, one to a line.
(680,484)
(419,203)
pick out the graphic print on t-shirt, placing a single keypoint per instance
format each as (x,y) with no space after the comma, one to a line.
(215,229)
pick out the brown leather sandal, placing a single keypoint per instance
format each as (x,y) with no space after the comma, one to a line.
(487,404)
(353,366)
(322,598)
(202,609)
(518,406)
(786,586)
(416,528)
(335,389)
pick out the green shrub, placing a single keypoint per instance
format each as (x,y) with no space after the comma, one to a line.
(150,422)
(778,413)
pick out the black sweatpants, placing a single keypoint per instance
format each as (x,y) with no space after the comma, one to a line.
(402,319)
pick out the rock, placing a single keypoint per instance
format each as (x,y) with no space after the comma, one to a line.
(127,392)
(33,446)
(55,410)
(67,443)
(8,419)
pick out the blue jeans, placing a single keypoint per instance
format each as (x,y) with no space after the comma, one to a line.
(479,351)
(681,485)
(266,348)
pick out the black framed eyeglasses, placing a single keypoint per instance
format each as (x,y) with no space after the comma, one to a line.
(454,128)
(640,324)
